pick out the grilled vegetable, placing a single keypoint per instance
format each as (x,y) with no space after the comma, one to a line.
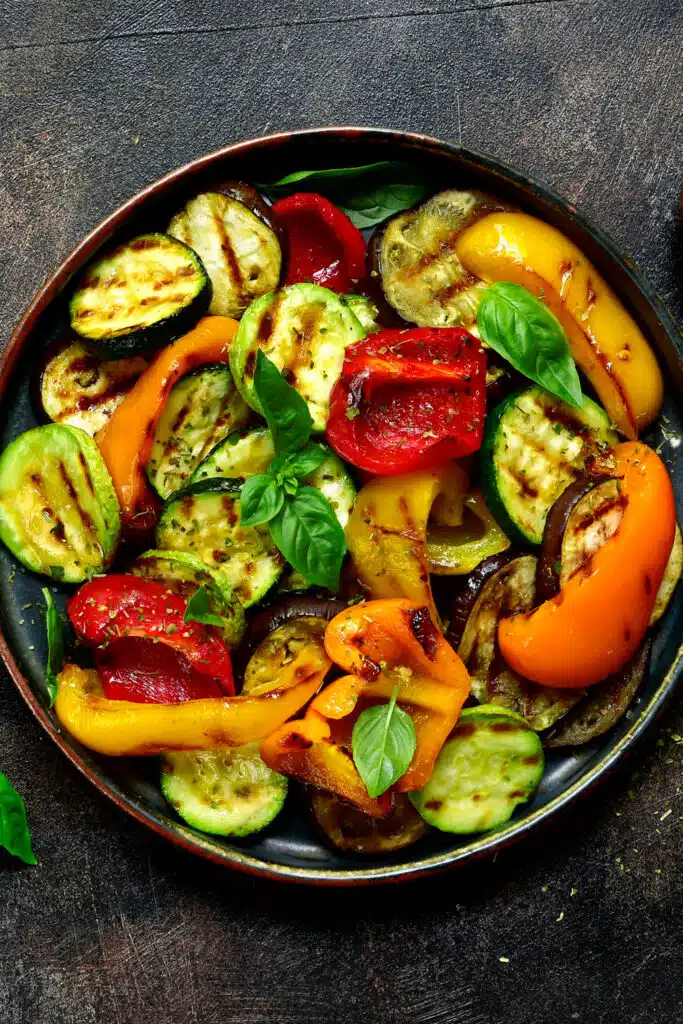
(349,829)
(80,389)
(505,591)
(457,550)
(280,647)
(304,330)
(414,255)
(58,509)
(534,446)
(245,453)
(140,670)
(671,577)
(201,410)
(282,611)
(185,574)
(550,557)
(144,294)
(227,792)
(490,766)
(603,705)
(205,521)
(239,249)
(365,311)
(323,245)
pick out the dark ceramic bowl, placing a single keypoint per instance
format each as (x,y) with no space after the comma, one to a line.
(290,849)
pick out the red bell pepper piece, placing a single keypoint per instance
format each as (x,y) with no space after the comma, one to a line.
(324,246)
(110,608)
(141,670)
(408,400)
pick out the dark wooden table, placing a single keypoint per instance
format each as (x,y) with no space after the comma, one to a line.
(584,924)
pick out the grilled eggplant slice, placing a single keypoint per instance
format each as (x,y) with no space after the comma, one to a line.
(202,409)
(144,294)
(414,256)
(280,647)
(353,831)
(304,330)
(185,574)
(534,446)
(672,575)
(59,514)
(80,389)
(506,591)
(204,519)
(239,249)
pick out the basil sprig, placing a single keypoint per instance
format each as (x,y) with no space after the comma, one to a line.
(383,743)
(14,833)
(522,330)
(55,646)
(367,194)
(302,522)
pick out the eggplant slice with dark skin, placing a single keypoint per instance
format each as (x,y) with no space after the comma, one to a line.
(349,829)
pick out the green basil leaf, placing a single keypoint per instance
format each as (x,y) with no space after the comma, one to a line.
(199,609)
(285,411)
(300,464)
(522,330)
(383,743)
(55,646)
(261,498)
(310,536)
(14,834)
(367,194)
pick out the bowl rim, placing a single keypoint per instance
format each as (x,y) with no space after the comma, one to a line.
(177,832)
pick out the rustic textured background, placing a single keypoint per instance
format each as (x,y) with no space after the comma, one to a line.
(97,100)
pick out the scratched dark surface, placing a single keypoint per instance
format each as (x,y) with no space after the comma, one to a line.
(584,924)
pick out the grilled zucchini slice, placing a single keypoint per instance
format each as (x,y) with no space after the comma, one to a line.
(204,520)
(228,792)
(202,409)
(184,574)
(241,253)
(491,764)
(80,389)
(534,447)
(365,311)
(144,294)
(59,514)
(247,452)
(304,329)
(414,256)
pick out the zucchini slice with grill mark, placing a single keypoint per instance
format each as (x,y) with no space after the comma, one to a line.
(144,294)
(248,452)
(204,520)
(227,792)
(534,446)
(80,389)
(414,256)
(59,514)
(184,574)
(241,253)
(201,410)
(491,764)
(280,647)
(304,330)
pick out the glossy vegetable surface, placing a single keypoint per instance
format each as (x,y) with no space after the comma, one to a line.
(323,246)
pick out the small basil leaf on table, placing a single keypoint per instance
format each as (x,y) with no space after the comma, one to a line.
(261,498)
(284,409)
(14,834)
(198,609)
(522,330)
(309,535)
(55,646)
(301,463)
(383,743)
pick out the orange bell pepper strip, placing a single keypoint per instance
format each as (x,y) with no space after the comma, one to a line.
(598,620)
(389,642)
(126,440)
(125,728)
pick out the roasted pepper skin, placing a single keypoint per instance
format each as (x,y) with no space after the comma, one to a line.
(604,339)
(126,439)
(599,618)
(323,245)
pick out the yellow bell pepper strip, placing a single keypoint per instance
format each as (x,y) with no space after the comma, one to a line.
(605,341)
(125,728)
(126,439)
(387,530)
(457,550)
(306,750)
(391,642)
(598,619)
